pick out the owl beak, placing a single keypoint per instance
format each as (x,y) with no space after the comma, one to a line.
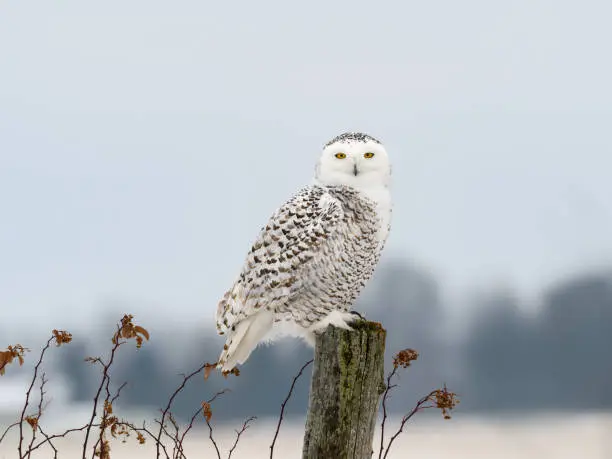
(355,170)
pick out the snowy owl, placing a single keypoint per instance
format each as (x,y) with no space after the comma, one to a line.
(316,253)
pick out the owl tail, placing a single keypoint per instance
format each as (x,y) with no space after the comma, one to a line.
(244,339)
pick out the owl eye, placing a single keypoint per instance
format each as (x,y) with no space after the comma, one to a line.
(368,155)
(340,155)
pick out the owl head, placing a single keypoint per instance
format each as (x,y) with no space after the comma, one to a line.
(353,159)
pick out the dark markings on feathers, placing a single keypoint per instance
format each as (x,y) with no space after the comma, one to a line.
(314,256)
(352,137)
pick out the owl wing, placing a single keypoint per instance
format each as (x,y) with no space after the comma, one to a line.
(271,273)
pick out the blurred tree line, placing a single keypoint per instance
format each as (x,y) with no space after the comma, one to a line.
(505,360)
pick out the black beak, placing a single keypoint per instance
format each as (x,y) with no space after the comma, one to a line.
(355,170)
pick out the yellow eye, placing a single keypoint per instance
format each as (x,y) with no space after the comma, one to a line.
(368,155)
(340,155)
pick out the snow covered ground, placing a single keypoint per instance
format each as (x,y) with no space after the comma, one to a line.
(562,436)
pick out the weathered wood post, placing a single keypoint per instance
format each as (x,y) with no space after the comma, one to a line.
(347,382)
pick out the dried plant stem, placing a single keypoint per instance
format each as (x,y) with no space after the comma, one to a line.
(388,388)
(62,435)
(29,391)
(212,439)
(419,406)
(282,411)
(108,401)
(207,419)
(6,431)
(105,376)
(193,418)
(166,410)
(147,431)
(48,440)
(108,422)
(43,381)
(441,399)
(245,426)
(178,452)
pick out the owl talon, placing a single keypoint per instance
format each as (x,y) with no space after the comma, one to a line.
(358,315)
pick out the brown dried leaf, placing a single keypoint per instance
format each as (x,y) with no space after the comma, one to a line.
(103,451)
(33,421)
(5,358)
(61,337)
(13,352)
(404,358)
(445,401)
(141,331)
(206,411)
(128,330)
(208,368)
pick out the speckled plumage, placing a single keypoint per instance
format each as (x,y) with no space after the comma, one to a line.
(352,137)
(314,256)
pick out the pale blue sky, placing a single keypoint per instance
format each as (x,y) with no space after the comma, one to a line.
(143,143)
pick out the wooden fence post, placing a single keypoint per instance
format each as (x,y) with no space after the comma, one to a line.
(347,382)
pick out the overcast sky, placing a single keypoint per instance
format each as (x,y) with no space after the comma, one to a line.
(144,143)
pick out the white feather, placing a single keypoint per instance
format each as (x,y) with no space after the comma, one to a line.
(242,341)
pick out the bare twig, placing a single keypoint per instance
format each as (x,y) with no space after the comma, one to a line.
(105,375)
(62,435)
(245,426)
(166,410)
(6,431)
(178,448)
(201,410)
(147,431)
(388,389)
(126,330)
(282,412)
(439,398)
(191,424)
(218,394)
(107,421)
(212,439)
(36,425)
(208,414)
(48,440)
(29,391)
(160,443)
(419,406)
(119,389)
(175,435)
